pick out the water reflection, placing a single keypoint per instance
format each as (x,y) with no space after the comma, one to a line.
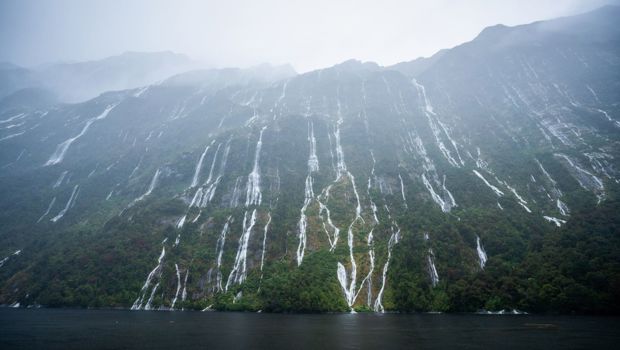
(108,329)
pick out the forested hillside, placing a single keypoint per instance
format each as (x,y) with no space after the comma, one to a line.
(483,178)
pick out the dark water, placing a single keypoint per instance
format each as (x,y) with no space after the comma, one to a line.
(110,329)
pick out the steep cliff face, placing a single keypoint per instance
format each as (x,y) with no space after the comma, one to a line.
(478,180)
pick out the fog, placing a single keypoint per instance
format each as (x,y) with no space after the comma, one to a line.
(306,34)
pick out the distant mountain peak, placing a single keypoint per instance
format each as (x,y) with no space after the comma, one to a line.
(493,32)
(356,65)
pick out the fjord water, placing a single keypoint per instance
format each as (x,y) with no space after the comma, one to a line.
(119,329)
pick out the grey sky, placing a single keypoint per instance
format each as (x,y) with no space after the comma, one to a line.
(308,34)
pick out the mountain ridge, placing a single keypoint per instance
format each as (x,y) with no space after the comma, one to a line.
(486,180)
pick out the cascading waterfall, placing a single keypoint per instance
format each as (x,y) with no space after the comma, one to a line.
(204,194)
(279,102)
(436,198)
(253,194)
(69,204)
(370,238)
(555,192)
(371,258)
(149,190)
(262,256)
(450,202)
(482,255)
(181,221)
(184,293)
(176,295)
(303,222)
(8,137)
(402,190)
(239,271)
(445,201)
(49,208)
(3,261)
(347,280)
(313,165)
(135,169)
(342,278)
(452,142)
(325,216)
(149,303)
(236,195)
(562,207)
(155,273)
(432,271)
(435,126)
(197,198)
(331,153)
(63,147)
(599,162)
(199,165)
(586,179)
(217,151)
(341,167)
(493,188)
(340,164)
(313,160)
(480,163)
(60,179)
(342,273)
(219,251)
(556,221)
(15,117)
(522,202)
(394,238)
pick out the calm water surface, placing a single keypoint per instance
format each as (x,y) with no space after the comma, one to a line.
(114,329)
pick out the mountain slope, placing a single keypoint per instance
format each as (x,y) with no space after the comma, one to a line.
(351,187)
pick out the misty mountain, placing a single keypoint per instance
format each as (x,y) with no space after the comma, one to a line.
(221,78)
(417,66)
(484,177)
(30,98)
(13,78)
(75,82)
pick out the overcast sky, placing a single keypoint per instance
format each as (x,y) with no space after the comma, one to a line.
(308,34)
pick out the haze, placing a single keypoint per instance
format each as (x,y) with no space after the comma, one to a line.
(306,34)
